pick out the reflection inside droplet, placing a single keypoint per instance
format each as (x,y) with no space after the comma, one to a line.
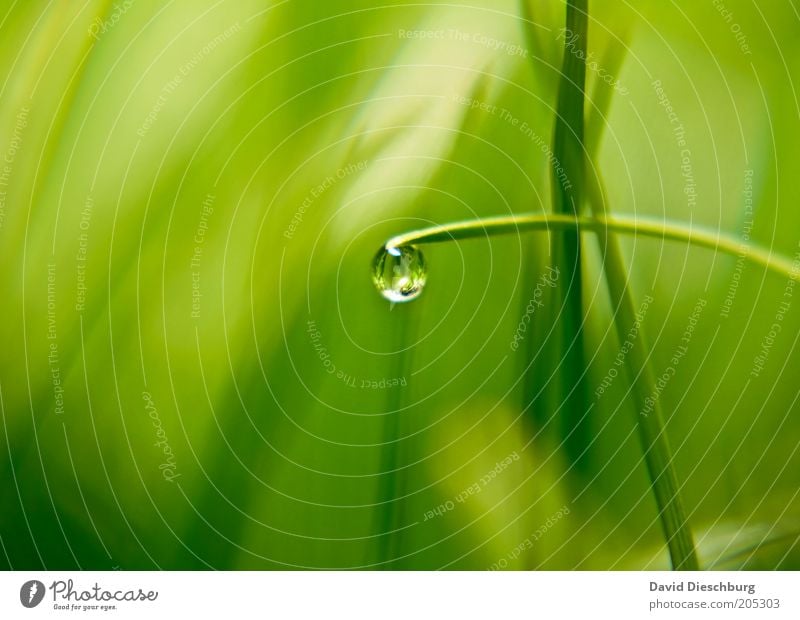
(399,273)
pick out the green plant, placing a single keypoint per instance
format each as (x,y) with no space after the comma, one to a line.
(296,139)
(654,443)
(571,190)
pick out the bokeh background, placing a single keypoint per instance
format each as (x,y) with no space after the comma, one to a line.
(196,370)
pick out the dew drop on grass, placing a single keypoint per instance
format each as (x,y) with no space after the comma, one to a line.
(399,273)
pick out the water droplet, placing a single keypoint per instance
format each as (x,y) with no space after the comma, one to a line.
(399,273)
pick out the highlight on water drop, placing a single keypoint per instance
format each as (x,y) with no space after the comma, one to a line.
(399,273)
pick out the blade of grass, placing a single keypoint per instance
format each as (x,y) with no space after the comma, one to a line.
(655,444)
(739,559)
(657,452)
(651,427)
(569,150)
(603,93)
(388,512)
(568,189)
(567,173)
(664,230)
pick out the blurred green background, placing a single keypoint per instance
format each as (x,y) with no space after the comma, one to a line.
(191,197)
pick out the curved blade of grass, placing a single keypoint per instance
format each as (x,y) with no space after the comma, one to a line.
(651,426)
(665,230)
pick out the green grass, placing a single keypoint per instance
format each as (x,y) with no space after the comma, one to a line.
(284,464)
(569,148)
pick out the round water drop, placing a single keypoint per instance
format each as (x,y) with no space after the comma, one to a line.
(399,273)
